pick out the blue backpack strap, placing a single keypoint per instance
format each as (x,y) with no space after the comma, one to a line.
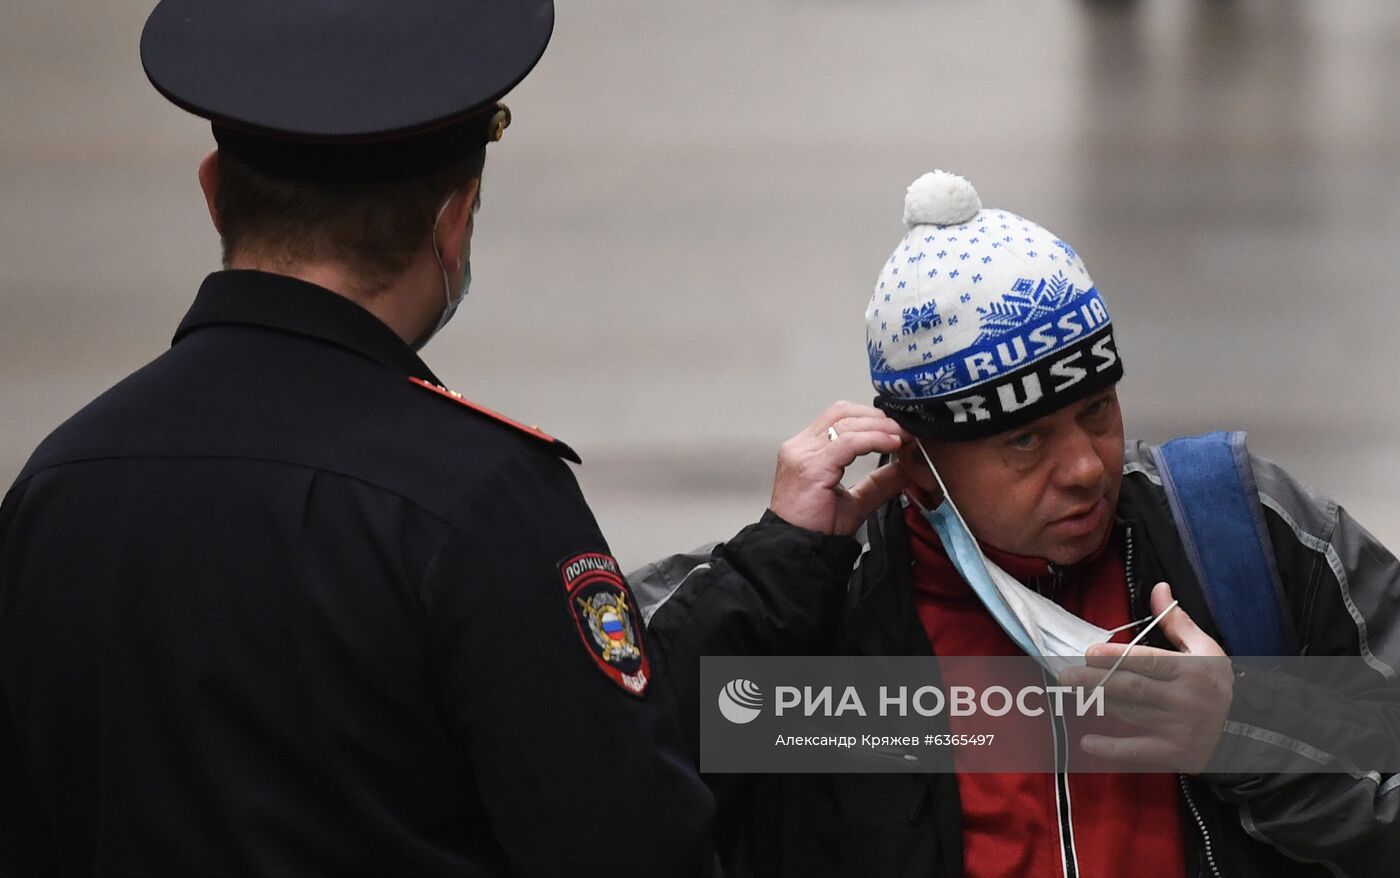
(1210,488)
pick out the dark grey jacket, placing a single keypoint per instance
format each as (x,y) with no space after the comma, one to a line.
(778,589)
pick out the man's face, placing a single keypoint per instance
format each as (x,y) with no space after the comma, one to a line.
(1047,490)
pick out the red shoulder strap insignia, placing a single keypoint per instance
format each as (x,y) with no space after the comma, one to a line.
(557,446)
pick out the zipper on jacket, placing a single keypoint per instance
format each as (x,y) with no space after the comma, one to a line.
(1133,610)
(1064,815)
(1200,824)
(1069,857)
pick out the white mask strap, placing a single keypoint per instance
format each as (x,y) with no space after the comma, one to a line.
(446,285)
(1134,642)
(1132,624)
(948,498)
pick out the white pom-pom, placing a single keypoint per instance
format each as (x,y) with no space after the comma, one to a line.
(940,199)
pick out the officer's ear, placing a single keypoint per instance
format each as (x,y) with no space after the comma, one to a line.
(209,182)
(454,228)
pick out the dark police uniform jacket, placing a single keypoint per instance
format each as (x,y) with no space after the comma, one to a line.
(270,607)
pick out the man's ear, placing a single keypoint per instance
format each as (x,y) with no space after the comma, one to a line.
(454,228)
(209,182)
(921,479)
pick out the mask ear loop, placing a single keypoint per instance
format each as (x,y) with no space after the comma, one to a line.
(1132,624)
(947,498)
(446,285)
(1134,642)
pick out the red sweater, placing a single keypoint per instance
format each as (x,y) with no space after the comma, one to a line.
(1121,822)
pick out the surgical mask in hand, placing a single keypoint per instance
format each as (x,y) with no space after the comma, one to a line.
(1042,629)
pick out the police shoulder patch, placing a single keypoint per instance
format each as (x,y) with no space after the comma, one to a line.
(607,619)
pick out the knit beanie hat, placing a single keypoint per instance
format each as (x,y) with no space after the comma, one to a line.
(982,321)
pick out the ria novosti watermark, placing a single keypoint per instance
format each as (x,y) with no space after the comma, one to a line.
(741,701)
(971,714)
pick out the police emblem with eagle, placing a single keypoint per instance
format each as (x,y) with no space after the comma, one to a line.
(602,610)
(610,622)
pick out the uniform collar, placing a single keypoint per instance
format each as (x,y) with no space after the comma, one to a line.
(275,301)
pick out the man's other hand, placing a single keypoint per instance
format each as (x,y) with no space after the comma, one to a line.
(1179,703)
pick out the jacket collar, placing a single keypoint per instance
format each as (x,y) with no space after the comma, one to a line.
(880,616)
(286,304)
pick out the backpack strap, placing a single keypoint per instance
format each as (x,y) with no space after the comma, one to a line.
(1215,504)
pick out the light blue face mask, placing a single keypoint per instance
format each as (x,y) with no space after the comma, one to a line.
(450,304)
(1041,628)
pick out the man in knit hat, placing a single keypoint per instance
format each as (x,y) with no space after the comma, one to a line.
(1026,524)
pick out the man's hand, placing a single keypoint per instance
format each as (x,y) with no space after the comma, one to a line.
(807,489)
(1181,703)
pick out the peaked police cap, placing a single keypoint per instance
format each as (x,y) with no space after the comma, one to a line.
(352,89)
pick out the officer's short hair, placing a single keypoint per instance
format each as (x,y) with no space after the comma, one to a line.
(372,227)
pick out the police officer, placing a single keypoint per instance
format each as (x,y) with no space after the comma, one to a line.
(281,604)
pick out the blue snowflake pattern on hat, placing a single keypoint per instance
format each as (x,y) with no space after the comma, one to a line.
(940,380)
(876,352)
(924,316)
(1024,304)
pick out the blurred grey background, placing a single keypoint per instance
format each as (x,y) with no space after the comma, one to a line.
(680,231)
